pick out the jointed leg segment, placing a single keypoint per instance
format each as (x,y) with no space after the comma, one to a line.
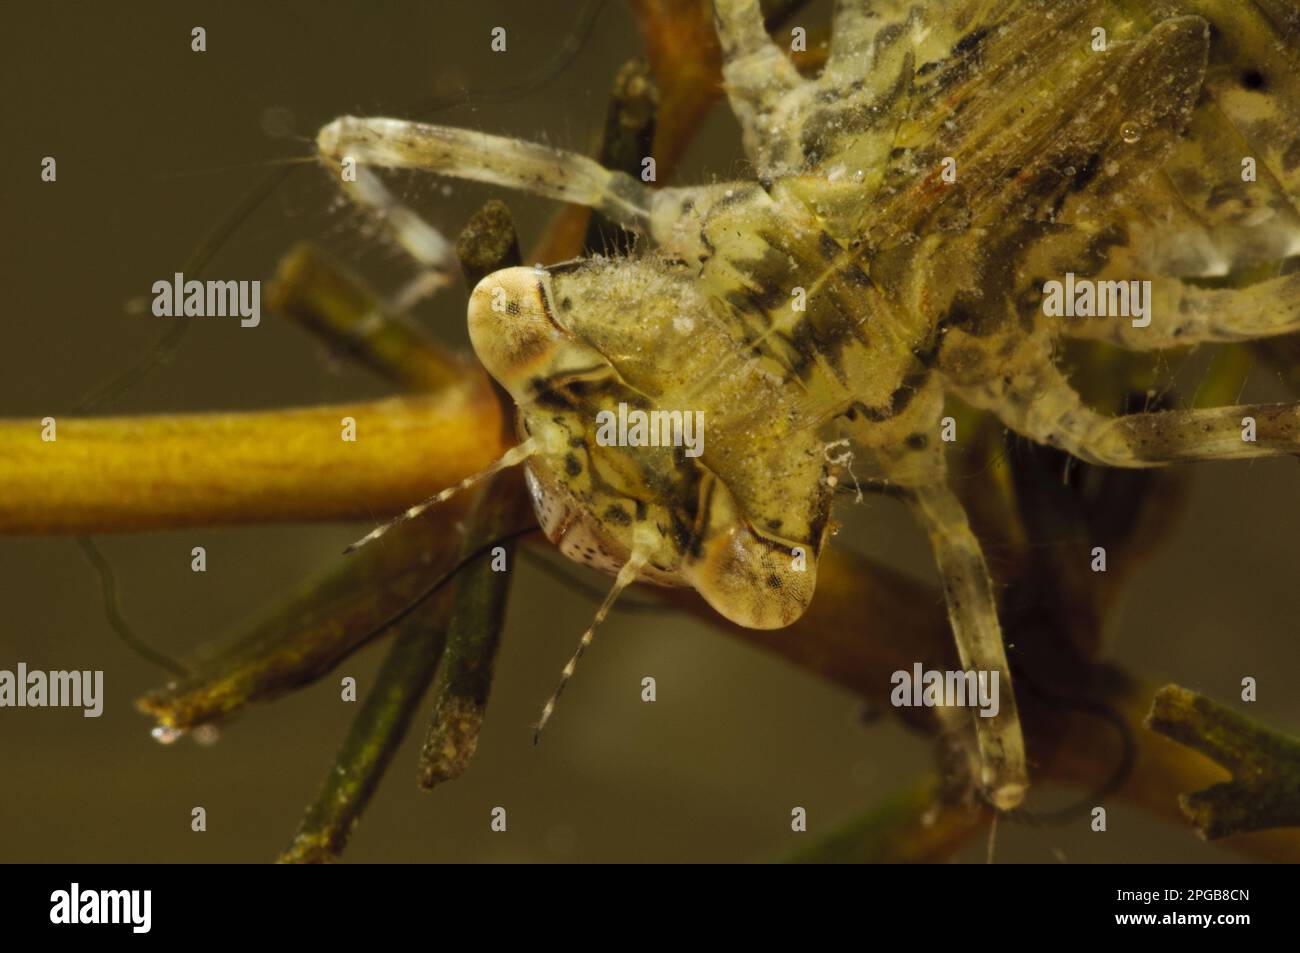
(973,613)
(754,66)
(1183,314)
(757,73)
(626,576)
(853,33)
(424,243)
(1043,406)
(564,176)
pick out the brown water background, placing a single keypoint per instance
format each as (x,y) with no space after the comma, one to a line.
(154,144)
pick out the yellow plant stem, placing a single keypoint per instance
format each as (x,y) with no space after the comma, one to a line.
(113,474)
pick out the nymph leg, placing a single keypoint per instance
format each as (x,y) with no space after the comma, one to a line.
(919,474)
(758,75)
(972,611)
(853,31)
(424,243)
(1182,314)
(564,176)
(1041,405)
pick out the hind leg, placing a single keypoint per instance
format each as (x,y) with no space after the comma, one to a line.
(1182,314)
(1040,404)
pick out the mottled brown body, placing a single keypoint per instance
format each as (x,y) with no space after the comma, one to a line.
(910,205)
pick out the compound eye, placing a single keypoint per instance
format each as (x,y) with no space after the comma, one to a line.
(753,582)
(511,329)
(749,580)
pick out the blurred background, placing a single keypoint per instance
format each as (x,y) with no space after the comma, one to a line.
(154,145)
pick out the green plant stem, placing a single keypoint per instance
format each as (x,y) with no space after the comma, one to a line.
(1265,788)
(464,676)
(328,619)
(328,299)
(374,735)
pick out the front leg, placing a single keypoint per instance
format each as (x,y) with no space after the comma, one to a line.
(553,173)
(350,147)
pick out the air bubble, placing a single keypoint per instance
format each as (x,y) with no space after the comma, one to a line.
(166,734)
(207,735)
(1130,132)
